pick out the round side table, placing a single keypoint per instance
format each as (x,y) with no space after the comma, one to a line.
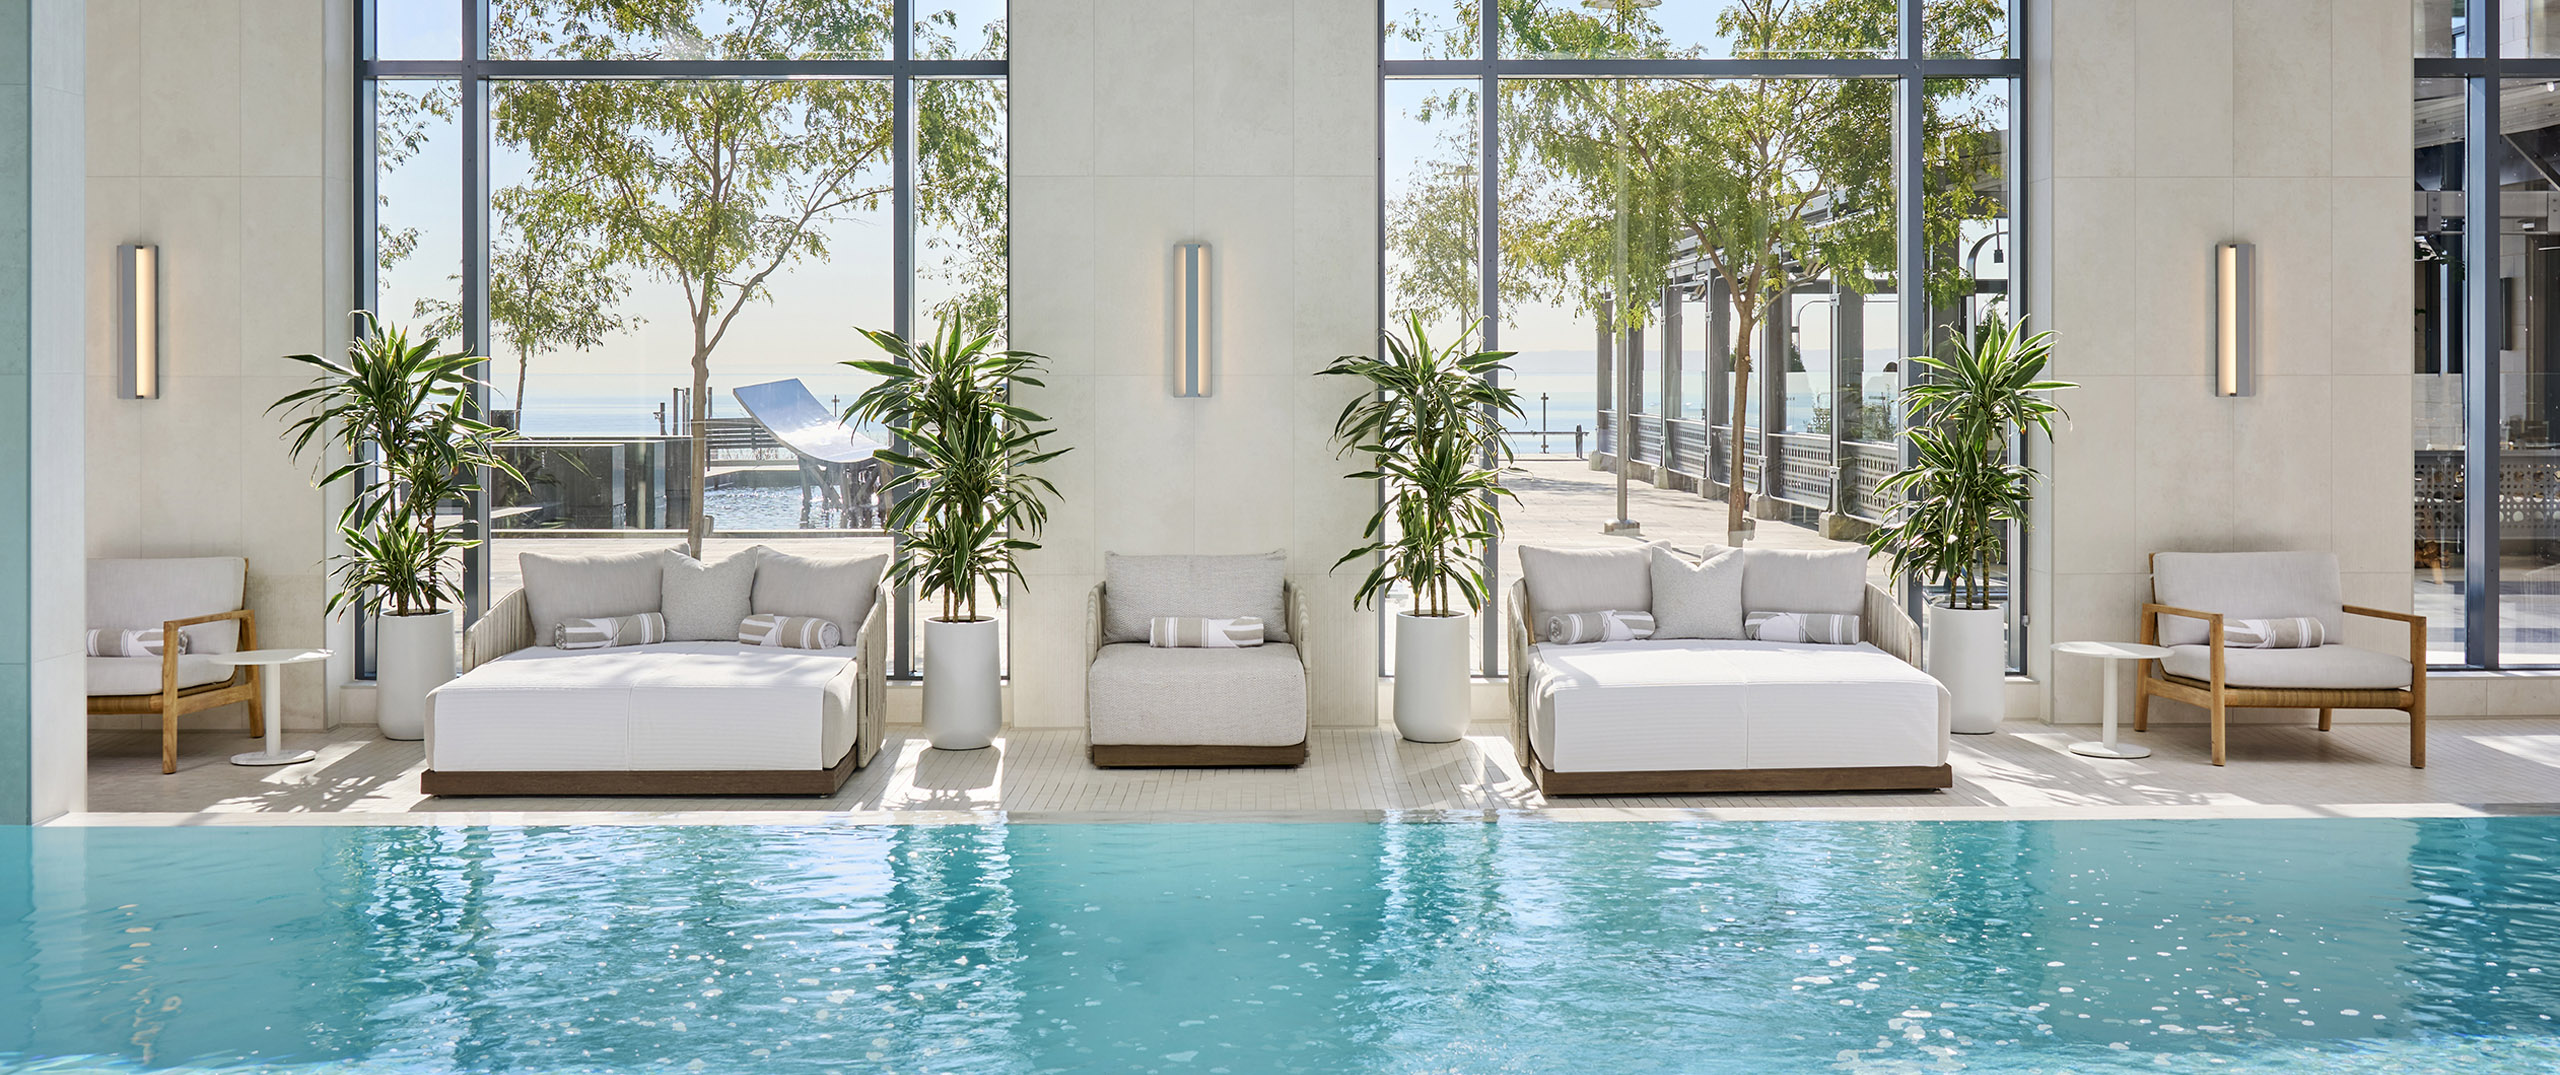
(273,660)
(2110,654)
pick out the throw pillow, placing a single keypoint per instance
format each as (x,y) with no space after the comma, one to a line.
(790,632)
(1702,600)
(1588,580)
(2291,632)
(705,601)
(1199,632)
(559,588)
(1827,628)
(609,632)
(1139,589)
(1805,580)
(838,590)
(1607,625)
(131,642)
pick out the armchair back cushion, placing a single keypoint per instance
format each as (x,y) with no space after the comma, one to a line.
(841,590)
(704,602)
(559,588)
(1830,581)
(147,593)
(1608,578)
(1138,589)
(2246,585)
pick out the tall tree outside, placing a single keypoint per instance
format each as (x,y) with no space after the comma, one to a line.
(1771,183)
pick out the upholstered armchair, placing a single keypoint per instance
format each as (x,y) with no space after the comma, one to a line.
(1150,707)
(204,599)
(2201,601)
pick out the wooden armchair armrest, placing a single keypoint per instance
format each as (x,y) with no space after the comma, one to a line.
(169,630)
(2417,639)
(2151,613)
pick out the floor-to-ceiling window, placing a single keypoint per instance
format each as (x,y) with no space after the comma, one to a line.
(662,223)
(1691,219)
(2486,428)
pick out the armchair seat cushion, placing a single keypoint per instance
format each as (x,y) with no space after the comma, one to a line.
(2331,667)
(141,675)
(1139,695)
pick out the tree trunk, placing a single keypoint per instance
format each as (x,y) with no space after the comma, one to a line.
(1736,497)
(522,358)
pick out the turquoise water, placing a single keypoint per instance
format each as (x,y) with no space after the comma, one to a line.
(2333,945)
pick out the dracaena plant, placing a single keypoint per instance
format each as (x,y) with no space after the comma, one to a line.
(1431,430)
(1964,486)
(398,416)
(964,499)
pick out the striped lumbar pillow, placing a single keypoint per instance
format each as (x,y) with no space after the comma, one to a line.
(606,632)
(1576,628)
(790,632)
(1827,628)
(1199,632)
(2294,632)
(129,642)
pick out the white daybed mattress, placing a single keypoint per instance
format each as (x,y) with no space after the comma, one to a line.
(672,706)
(1719,704)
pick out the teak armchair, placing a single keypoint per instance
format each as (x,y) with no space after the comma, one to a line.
(2210,589)
(170,594)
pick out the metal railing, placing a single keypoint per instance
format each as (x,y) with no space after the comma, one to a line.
(1803,474)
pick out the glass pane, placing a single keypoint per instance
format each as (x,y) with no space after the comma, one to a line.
(1967,174)
(1689,29)
(2529,27)
(2438,27)
(2528,481)
(959,29)
(417,29)
(1649,225)
(2438,424)
(1977,29)
(1433,30)
(690,29)
(606,292)
(1433,191)
(418,204)
(960,203)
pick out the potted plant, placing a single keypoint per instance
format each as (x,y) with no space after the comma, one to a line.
(1431,430)
(962,504)
(400,416)
(1961,492)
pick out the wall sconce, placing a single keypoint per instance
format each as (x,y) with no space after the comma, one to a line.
(138,321)
(2235,323)
(1191,287)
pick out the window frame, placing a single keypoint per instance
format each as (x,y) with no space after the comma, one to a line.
(474,70)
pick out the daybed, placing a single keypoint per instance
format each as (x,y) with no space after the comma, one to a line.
(697,715)
(1720,713)
(1181,706)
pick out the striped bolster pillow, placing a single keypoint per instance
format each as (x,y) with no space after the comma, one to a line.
(1576,628)
(1196,632)
(2295,632)
(129,642)
(1828,628)
(790,632)
(607,632)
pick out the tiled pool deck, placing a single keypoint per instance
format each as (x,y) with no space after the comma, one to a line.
(2475,766)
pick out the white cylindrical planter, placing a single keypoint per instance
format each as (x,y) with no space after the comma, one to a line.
(1432,688)
(1969,653)
(962,706)
(411,656)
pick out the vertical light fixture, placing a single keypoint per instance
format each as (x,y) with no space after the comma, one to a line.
(2235,322)
(1191,287)
(138,321)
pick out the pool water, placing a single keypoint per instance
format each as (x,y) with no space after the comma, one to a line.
(1517,946)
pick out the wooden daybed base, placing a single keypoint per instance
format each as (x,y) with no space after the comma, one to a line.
(1138,756)
(662,782)
(1710,781)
